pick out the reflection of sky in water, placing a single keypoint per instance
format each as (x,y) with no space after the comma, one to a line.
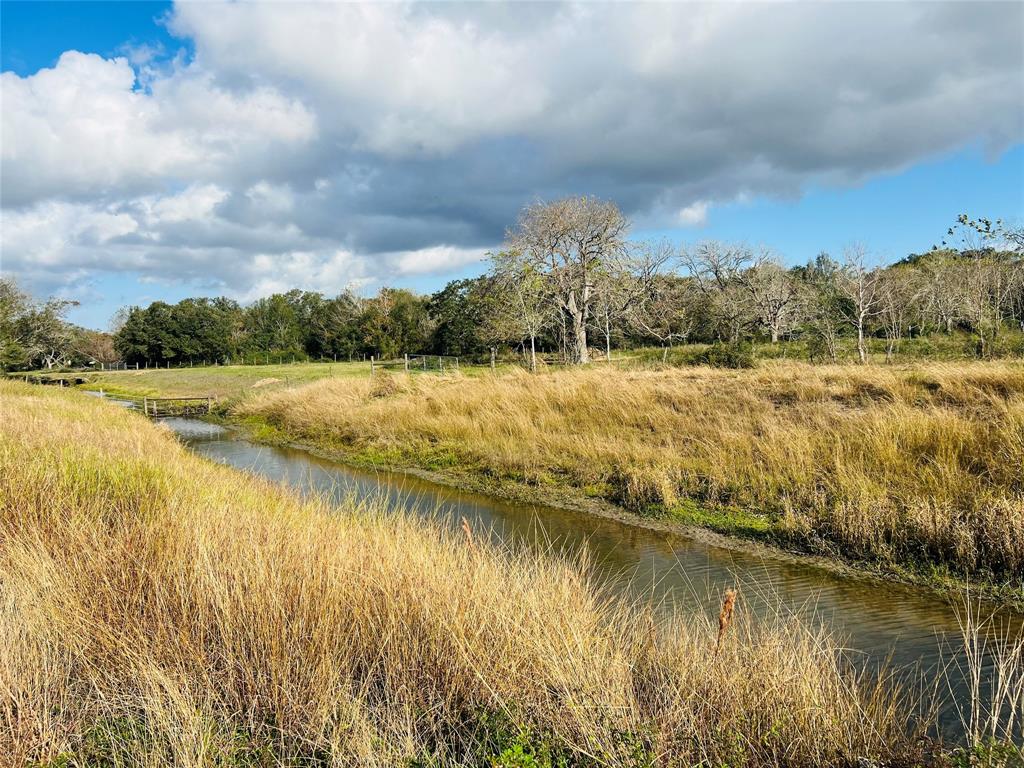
(878,621)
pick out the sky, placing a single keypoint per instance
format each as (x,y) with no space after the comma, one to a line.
(152,151)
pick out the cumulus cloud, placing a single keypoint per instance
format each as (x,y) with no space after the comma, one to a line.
(84,130)
(694,215)
(327,143)
(438,258)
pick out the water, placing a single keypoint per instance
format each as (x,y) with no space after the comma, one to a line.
(906,627)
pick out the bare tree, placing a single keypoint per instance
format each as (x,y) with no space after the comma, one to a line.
(625,281)
(773,293)
(859,285)
(568,241)
(898,291)
(523,308)
(715,268)
(822,305)
(667,311)
(993,275)
(942,297)
(988,291)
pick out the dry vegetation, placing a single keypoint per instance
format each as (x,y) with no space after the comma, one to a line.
(157,609)
(914,467)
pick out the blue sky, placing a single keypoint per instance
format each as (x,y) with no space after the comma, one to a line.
(35,34)
(238,150)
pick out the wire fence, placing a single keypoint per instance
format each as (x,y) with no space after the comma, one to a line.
(416,363)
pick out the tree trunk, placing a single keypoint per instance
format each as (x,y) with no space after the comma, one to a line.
(861,351)
(578,349)
(533,354)
(775,334)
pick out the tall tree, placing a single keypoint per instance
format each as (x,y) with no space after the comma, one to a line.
(522,310)
(457,311)
(715,269)
(13,306)
(625,281)
(667,312)
(773,294)
(567,242)
(48,336)
(859,284)
(899,292)
(995,272)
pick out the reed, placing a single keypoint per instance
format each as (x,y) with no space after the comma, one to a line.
(916,467)
(158,609)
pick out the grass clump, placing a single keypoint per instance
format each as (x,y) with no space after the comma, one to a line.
(159,609)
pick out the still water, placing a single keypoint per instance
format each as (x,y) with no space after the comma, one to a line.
(880,623)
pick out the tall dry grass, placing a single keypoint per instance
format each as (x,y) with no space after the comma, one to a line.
(916,465)
(157,609)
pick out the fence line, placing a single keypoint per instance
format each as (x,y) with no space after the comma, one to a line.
(415,363)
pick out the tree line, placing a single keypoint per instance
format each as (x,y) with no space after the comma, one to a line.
(568,283)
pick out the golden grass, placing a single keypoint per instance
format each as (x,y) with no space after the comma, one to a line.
(912,466)
(158,609)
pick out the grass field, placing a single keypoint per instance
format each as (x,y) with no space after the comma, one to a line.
(915,468)
(223,381)
(158,609)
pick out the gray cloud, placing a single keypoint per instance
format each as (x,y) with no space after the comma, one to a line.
(362,142)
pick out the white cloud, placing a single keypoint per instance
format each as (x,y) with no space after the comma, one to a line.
(437,259)
(329,273)
(694,215)
(197,203)
(82,129)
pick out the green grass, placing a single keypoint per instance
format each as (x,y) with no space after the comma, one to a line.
(228,382)
(224,381)
(934,347)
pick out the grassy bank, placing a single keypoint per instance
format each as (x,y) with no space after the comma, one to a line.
(158,609)
(916,469)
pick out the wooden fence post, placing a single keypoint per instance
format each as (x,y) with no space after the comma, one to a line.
(406,362)
(493,354)
(145,405)
(371,366)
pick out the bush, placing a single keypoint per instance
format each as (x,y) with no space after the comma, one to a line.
(732,355)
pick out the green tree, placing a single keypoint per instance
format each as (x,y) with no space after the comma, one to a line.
(458,313)
(13,306)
